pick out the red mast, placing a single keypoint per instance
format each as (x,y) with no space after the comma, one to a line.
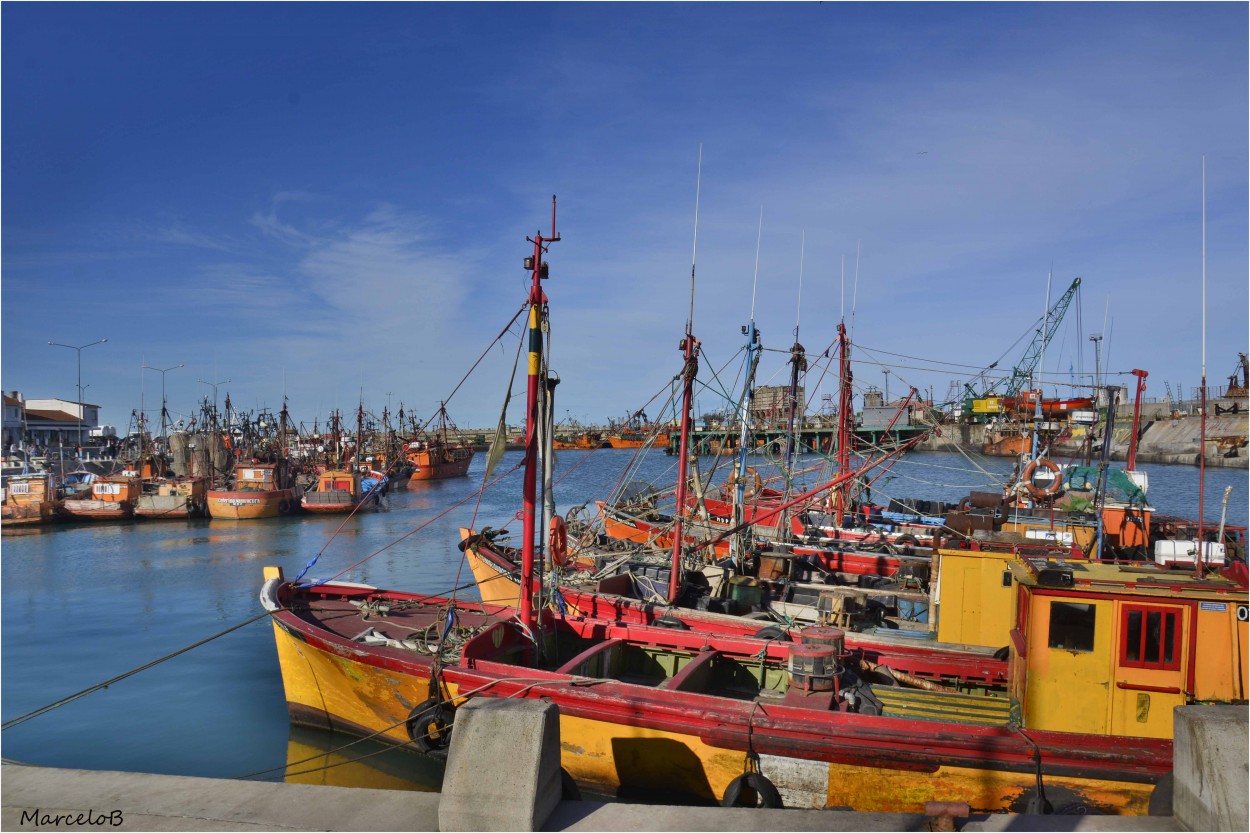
(1130,462)
(537,304)
(690,347)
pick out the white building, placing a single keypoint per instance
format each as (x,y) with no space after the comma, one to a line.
(14,420)
(60,421)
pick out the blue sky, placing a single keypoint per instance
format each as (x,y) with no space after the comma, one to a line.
(326,198)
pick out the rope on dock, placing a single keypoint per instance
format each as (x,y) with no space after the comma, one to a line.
(8,724)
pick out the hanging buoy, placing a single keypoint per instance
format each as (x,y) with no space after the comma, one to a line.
(1046,488)
(751,789)
(284,507)
(559,541)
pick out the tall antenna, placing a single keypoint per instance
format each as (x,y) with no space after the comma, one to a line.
(842,315)
(758,237)
(799,304)
(855,291)
(695,251)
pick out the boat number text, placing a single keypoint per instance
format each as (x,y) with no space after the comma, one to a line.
(1242,613)
(240,501)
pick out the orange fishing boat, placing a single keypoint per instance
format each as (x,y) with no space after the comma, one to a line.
(637,431)
(173,498)
(436,456)
(340,491)
(30,499)
(112,498)
(261,490)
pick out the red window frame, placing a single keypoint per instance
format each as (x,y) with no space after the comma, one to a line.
(1168,616)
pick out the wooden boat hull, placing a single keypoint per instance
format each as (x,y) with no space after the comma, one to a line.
(98,510)
(30,514)
(176,500)
(631,739)
(441,470)
(338,507)
(247,505)
(619,526)
(167,507)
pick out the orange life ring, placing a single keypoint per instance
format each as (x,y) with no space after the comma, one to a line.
(559,541)
(1040,492)
(750,491)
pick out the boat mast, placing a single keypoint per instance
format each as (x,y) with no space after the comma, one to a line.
(1202,424)
(360,436)
(537,304)
(844,421)
(737,544)
(798,363)
(1130,462)
(690,350)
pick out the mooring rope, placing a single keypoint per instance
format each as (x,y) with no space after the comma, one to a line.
(8,724)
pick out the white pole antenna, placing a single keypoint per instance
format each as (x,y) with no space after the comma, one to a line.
(1041,366)
(799,305)
(695,251)
(842,316)
(756,282)
(855,291)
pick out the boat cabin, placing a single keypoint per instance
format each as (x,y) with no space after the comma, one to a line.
(256,477)
(1099,647)
(29,489)
(340,483)
(115,489)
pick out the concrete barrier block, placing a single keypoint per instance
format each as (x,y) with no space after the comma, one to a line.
(503,766)
(1210,753)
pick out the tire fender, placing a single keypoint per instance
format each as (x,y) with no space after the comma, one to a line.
(751,789)
(430,723)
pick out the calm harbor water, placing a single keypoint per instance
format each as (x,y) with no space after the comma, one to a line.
(85,603)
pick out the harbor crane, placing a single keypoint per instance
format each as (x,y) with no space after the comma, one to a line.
(989,401)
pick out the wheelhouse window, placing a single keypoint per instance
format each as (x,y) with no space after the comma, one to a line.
(1150,637)
(1072,626)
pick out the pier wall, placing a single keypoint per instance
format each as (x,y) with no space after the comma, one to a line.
(505,779)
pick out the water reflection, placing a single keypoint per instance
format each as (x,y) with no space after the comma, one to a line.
(319,756)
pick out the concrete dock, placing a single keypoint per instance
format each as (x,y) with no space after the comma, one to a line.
(495,783)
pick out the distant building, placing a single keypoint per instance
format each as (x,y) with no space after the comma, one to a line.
(878,414)
(58,421)
(771,404)
(14,420)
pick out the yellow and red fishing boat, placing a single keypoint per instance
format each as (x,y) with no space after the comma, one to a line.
(685,713)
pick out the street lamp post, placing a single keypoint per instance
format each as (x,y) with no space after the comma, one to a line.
(214,385)
(163,372)
(79,351)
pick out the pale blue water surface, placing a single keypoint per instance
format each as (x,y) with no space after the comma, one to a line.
(85,603)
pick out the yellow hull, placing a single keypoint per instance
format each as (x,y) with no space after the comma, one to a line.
(330,690)
(496,585)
